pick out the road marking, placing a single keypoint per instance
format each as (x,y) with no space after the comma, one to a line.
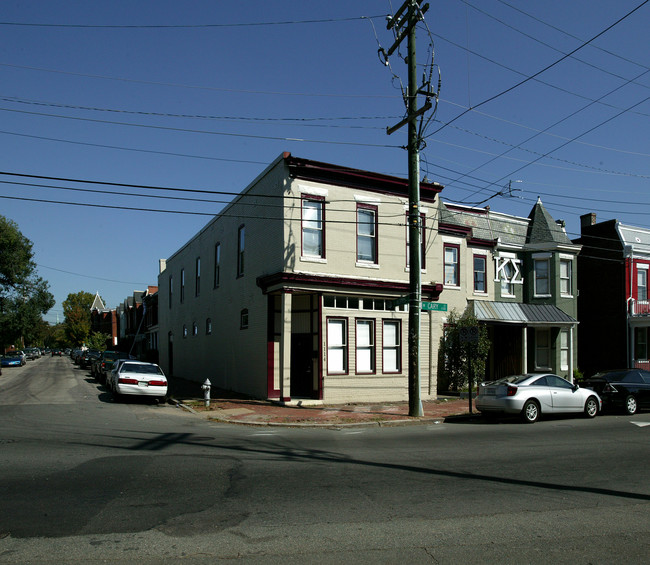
(641,424)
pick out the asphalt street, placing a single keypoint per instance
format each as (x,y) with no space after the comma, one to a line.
(88,480)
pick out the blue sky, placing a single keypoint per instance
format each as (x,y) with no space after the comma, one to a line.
(202,95)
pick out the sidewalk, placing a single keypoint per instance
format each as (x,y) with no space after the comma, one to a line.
(237,409)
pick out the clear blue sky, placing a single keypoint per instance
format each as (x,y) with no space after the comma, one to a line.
(202,95)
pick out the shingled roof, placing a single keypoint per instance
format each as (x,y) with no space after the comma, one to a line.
(543,228)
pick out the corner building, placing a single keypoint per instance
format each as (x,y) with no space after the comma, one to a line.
(293,291)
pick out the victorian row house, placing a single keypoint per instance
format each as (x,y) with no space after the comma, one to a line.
(613,305)
(295,290)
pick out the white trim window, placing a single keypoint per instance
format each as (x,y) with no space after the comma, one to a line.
(313,226)
(642,284)
(542,273)
(367,233)
(392,347)
(480,273)
(566,277)
(365,352)
(452,264)
(337,346)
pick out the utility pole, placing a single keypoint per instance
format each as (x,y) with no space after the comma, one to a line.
(406,29)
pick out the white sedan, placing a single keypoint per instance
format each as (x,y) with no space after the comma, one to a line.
(138,378)
(532,395)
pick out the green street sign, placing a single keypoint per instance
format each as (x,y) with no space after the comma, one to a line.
(401,301)
(434,306)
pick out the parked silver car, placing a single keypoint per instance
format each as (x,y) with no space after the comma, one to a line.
(137,378)
(532,395)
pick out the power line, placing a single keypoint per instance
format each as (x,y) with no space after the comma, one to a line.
(546,68)
(190,26)
(205,132)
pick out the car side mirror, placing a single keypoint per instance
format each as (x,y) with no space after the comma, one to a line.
(576,386)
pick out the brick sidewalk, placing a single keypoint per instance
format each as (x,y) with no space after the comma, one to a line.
(230,407)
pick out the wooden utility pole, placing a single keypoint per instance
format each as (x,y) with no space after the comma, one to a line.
(406,29)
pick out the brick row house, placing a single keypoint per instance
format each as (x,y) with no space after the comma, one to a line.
(615,311)
(289,293)
(127,325)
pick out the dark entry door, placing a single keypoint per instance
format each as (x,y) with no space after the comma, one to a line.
(302,366)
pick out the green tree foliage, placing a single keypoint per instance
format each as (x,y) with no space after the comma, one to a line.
(453,367)
(98,340)
(76,309)
(24,297)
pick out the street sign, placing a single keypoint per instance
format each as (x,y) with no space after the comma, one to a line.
(434,306)
(401,301)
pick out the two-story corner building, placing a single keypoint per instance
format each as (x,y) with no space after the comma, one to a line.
(523,286)
(613,304)
(288,293)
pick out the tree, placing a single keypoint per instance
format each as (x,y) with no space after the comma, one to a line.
(24,297)
(453,366)
(98,340)
(76,309)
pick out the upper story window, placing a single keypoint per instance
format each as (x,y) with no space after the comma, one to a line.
(642,284)
(313,226)
(541,268)
(566,277)
(217,264)
(423,254)
(243,319)
(171,290)
(367,233)
(208,326)
(452,265)
(182,285)
(241,238)
(195,329)
(480,274)
(197,281)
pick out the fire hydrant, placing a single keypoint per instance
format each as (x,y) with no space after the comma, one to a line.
(206,392)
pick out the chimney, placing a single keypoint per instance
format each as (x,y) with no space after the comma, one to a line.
(587,220)
(162,265)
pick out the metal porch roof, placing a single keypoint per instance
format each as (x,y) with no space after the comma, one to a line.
(515,313)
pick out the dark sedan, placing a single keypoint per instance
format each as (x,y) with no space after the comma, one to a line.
(625,389)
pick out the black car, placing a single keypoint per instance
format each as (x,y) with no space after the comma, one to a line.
(625,389)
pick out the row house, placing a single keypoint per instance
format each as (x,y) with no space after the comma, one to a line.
(292,291)
(103,320)
(524,286)
(127,325)
(613,303)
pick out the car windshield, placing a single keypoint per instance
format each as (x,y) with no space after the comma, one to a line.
(144,369)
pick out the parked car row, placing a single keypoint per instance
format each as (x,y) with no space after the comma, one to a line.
(122,375)
(533,395)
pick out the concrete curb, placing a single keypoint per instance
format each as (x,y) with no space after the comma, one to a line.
(323,425)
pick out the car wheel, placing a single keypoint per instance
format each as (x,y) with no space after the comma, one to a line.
(630,405)
(530,412)
(591,407)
